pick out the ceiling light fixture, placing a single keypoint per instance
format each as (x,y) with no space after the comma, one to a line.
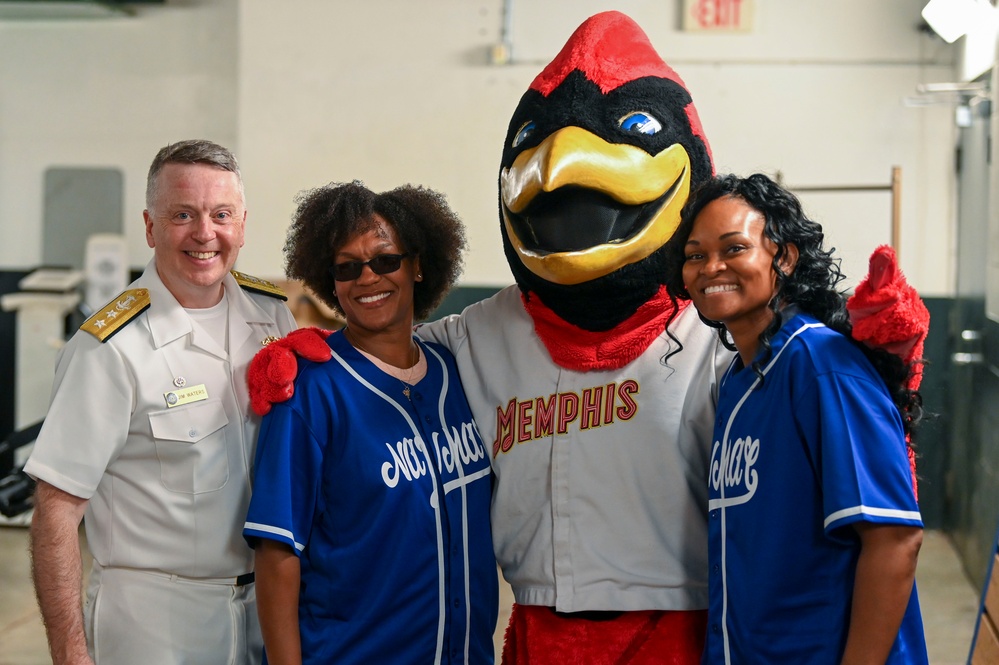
(952,19)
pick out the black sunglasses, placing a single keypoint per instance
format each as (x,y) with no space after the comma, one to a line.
(380,265)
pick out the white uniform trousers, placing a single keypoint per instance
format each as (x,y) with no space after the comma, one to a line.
(138,616)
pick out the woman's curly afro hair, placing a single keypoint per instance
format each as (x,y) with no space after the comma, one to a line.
(328,217)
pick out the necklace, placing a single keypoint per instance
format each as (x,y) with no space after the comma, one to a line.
(407,382)
(405,375)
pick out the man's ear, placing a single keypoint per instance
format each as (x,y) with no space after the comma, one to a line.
(148,218)
(790,258)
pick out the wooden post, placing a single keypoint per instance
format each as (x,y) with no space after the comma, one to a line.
(895,187)
(896,211)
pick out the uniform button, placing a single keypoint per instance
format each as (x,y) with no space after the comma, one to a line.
(716,568)
(714,628)
(193,433)
(427,418)
(457,602)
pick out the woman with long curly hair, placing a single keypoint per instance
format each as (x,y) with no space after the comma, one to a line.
(370,508)
(814,528)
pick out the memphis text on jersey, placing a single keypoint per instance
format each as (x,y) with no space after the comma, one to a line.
(520,421)
(410,458)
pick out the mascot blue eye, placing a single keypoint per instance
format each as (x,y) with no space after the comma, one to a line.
(641,123)
(523,133)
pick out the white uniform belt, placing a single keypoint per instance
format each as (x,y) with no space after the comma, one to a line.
(239,580)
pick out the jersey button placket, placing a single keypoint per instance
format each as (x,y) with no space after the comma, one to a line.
(561,518)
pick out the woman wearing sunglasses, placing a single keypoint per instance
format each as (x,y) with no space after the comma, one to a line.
(370,509)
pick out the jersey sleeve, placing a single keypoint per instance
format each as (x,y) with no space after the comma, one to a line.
(450,332)
(88,419)
(286,482)
(861,454)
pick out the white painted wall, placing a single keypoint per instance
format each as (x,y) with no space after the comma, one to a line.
(108,93)
(392,91)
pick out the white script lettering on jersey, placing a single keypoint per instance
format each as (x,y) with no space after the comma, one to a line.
(410,458)
(732,473)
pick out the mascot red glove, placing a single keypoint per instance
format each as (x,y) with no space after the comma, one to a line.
(272,371)
(887,313)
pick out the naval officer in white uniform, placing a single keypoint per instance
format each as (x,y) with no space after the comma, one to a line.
(150,437)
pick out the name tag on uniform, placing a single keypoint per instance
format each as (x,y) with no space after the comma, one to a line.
(185,395)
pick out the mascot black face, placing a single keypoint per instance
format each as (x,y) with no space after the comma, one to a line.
(591,186)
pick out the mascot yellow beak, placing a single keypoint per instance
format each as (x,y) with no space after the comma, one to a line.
(574,157)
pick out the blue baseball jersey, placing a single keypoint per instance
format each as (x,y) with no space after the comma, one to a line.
(818,447)
(386,501)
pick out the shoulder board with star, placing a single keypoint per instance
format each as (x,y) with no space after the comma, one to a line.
(257,285)
(117,314)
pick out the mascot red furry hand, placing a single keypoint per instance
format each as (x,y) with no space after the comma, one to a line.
(272,372)
(599,447)
(887,313)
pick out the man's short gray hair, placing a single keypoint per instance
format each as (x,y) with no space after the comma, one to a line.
(195,151)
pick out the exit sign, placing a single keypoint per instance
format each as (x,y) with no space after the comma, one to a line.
(718,15)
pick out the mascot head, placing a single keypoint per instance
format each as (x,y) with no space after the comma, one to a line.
(600,156)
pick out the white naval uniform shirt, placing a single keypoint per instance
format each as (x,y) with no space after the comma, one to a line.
(168,488)
(601,493)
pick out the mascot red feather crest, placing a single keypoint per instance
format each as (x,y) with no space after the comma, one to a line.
(610,50)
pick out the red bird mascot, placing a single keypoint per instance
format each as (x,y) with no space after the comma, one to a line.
(599,446)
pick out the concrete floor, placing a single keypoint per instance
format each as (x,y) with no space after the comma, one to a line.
(949,603)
